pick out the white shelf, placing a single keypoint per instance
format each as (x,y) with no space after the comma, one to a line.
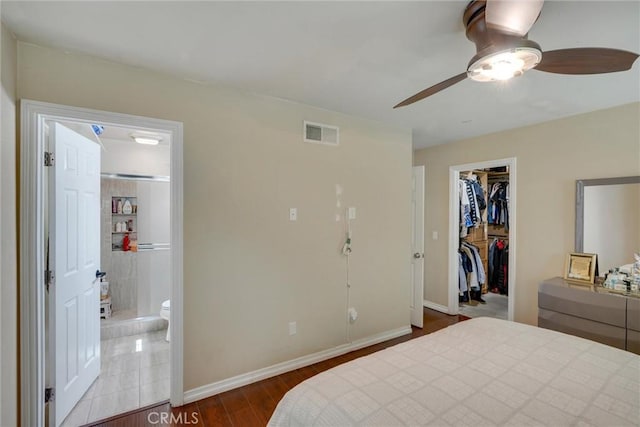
(130,218)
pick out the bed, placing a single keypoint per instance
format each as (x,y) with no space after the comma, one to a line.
(478,372)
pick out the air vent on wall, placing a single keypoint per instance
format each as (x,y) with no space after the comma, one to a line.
(317,133)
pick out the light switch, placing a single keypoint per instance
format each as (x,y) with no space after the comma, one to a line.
(434,235)
(293,214)
(352,213)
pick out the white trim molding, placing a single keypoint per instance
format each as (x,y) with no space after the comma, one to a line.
(32,296)
(437,307)
(217,387)
(454,221)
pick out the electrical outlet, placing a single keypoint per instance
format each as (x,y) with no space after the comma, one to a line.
(353,314)
(352,213)
(434,235)
(293,214)
(293,328)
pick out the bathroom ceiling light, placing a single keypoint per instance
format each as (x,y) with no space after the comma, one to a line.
(146,139)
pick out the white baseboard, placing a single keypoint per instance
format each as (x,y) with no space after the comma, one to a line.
(438,307)
(217,387)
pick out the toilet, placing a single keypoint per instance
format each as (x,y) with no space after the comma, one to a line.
(165,313)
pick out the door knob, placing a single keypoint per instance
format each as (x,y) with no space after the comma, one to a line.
(417,255)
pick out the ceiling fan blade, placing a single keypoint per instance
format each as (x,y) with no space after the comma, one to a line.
(586,60)
(433,89)
(512,16)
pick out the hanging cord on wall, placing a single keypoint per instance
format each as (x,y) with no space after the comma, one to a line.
(346,251)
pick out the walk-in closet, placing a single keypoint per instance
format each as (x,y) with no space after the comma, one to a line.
(483,252)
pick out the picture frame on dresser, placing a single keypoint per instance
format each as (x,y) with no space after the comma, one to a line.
(581,268)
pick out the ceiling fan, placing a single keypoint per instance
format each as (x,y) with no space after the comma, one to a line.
(499,30)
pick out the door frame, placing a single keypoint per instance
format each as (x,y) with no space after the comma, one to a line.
(31,241)
(454,231)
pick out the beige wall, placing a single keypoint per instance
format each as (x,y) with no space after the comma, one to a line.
(8,278)
(550,158)
(248,269)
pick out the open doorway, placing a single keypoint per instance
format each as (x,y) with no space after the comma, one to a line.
(106,215)
(132,277)
(482,239)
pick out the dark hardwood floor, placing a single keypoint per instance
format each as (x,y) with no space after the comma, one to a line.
(252,405)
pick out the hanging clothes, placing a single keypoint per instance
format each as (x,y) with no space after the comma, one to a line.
(465,270)
(504,262)
(471,271)
(480,196)
(481,274)
(471,195)
(472,274)
(498,206)
(462,274)
(471,264)
(472,203)
(465,209)
(498,266)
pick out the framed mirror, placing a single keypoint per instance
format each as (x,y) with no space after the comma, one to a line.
(608,219)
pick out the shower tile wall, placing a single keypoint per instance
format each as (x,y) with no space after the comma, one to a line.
(154,226)
(121,267)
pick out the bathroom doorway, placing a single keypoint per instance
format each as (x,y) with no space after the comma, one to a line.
(106,348)
(135,279)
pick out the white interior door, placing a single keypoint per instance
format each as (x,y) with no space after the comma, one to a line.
(75,256)
(417,246)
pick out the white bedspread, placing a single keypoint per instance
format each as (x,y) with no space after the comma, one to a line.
(478,372)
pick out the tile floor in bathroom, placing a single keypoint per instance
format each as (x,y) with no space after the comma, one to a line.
(134,373)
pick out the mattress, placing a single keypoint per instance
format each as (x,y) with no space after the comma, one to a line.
(478,372)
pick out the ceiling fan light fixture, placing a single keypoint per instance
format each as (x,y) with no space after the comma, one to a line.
(499,29)
(504,65)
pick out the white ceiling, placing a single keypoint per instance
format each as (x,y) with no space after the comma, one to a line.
(118,134)
(359,58)
(124,135)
